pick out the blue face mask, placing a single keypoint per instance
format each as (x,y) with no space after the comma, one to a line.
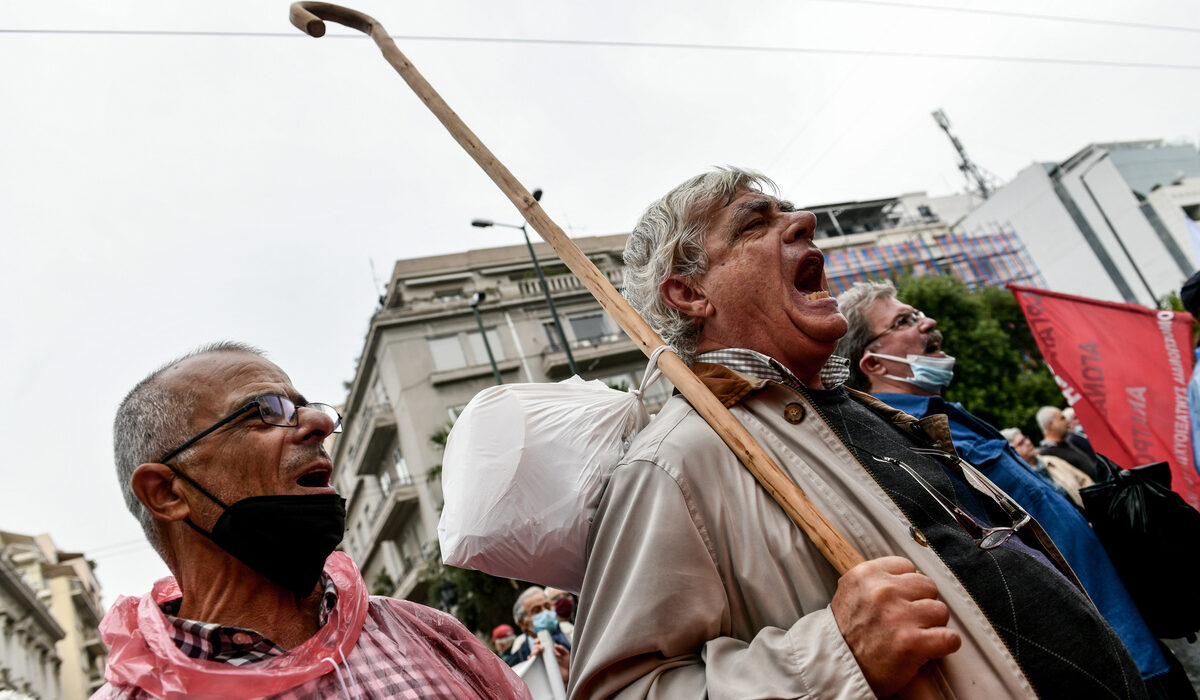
(930,374)
(545,620)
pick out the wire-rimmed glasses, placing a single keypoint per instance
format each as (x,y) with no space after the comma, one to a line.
(985,537)
(273,409)
(905,320)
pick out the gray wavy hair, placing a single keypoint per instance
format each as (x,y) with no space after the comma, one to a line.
(152,420)
(854,303)
(669,240)
(519,615)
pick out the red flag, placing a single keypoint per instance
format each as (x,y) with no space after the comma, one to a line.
(1125,370)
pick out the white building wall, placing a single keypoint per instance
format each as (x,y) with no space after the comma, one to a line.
(1029,205)
(1172,204)
(1131,242)
(28,634)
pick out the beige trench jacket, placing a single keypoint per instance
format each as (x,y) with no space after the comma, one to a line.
(699,586)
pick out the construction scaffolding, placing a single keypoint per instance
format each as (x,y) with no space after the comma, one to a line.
(990,260)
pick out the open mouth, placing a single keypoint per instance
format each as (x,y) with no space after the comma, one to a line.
(810,276)
(317,478)
(933,342)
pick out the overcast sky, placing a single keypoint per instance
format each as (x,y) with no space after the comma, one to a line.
(162,191)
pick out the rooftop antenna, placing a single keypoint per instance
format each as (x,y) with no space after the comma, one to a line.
(377,284)
(969,170)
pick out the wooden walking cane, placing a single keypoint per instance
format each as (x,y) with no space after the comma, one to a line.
(308,16)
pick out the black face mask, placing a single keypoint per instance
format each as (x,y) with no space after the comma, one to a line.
(285,538)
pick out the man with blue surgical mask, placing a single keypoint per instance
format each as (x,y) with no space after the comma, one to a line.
(534,613)
(895,353)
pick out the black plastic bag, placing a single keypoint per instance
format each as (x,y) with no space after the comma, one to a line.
(1153,538)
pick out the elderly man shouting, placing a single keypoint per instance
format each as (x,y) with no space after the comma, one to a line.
(221,460)
(698,585)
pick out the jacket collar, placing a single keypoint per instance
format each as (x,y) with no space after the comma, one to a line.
(731,387)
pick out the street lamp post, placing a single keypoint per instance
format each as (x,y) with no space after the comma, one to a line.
(475,302)
(562,334)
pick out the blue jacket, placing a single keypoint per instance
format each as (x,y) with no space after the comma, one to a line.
(522,653)
(982,445)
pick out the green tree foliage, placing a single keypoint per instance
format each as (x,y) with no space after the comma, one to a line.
(999,374)
(1171,301)
(478,600)
(383,585)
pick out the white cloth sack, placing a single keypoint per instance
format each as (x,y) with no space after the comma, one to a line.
(523,471)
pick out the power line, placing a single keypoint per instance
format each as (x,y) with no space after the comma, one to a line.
(117,548)
(634,44)
(121,552)
(1020,15)
(174,32)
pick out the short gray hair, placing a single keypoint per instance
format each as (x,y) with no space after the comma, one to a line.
(1044,416)
(855,303)
(1010,434)
(519,606)
(669,240)
(152,420)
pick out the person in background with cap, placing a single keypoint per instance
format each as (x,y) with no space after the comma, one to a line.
(1190,296)
(502,639)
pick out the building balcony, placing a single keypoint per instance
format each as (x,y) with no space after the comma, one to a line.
(565,283)
(473,372)
(399,505)
(412,578)
(591,354)
(377,437)
(94,646)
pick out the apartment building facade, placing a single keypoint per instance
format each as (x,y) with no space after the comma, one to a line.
(64,586)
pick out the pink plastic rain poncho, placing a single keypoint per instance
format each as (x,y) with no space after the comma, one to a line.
(370,647)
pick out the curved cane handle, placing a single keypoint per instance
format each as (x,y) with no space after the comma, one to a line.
(310,18)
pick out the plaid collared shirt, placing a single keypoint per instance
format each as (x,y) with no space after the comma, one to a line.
(754,363)
(236,646)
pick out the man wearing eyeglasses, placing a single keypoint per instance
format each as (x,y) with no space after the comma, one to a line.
(896,354)
(222,462)
(697,583)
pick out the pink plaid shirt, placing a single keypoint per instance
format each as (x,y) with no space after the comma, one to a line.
(370,647)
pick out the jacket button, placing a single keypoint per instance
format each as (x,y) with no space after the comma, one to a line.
(918,536)
(793,413)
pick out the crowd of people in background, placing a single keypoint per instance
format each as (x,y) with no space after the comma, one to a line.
(1047,461)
